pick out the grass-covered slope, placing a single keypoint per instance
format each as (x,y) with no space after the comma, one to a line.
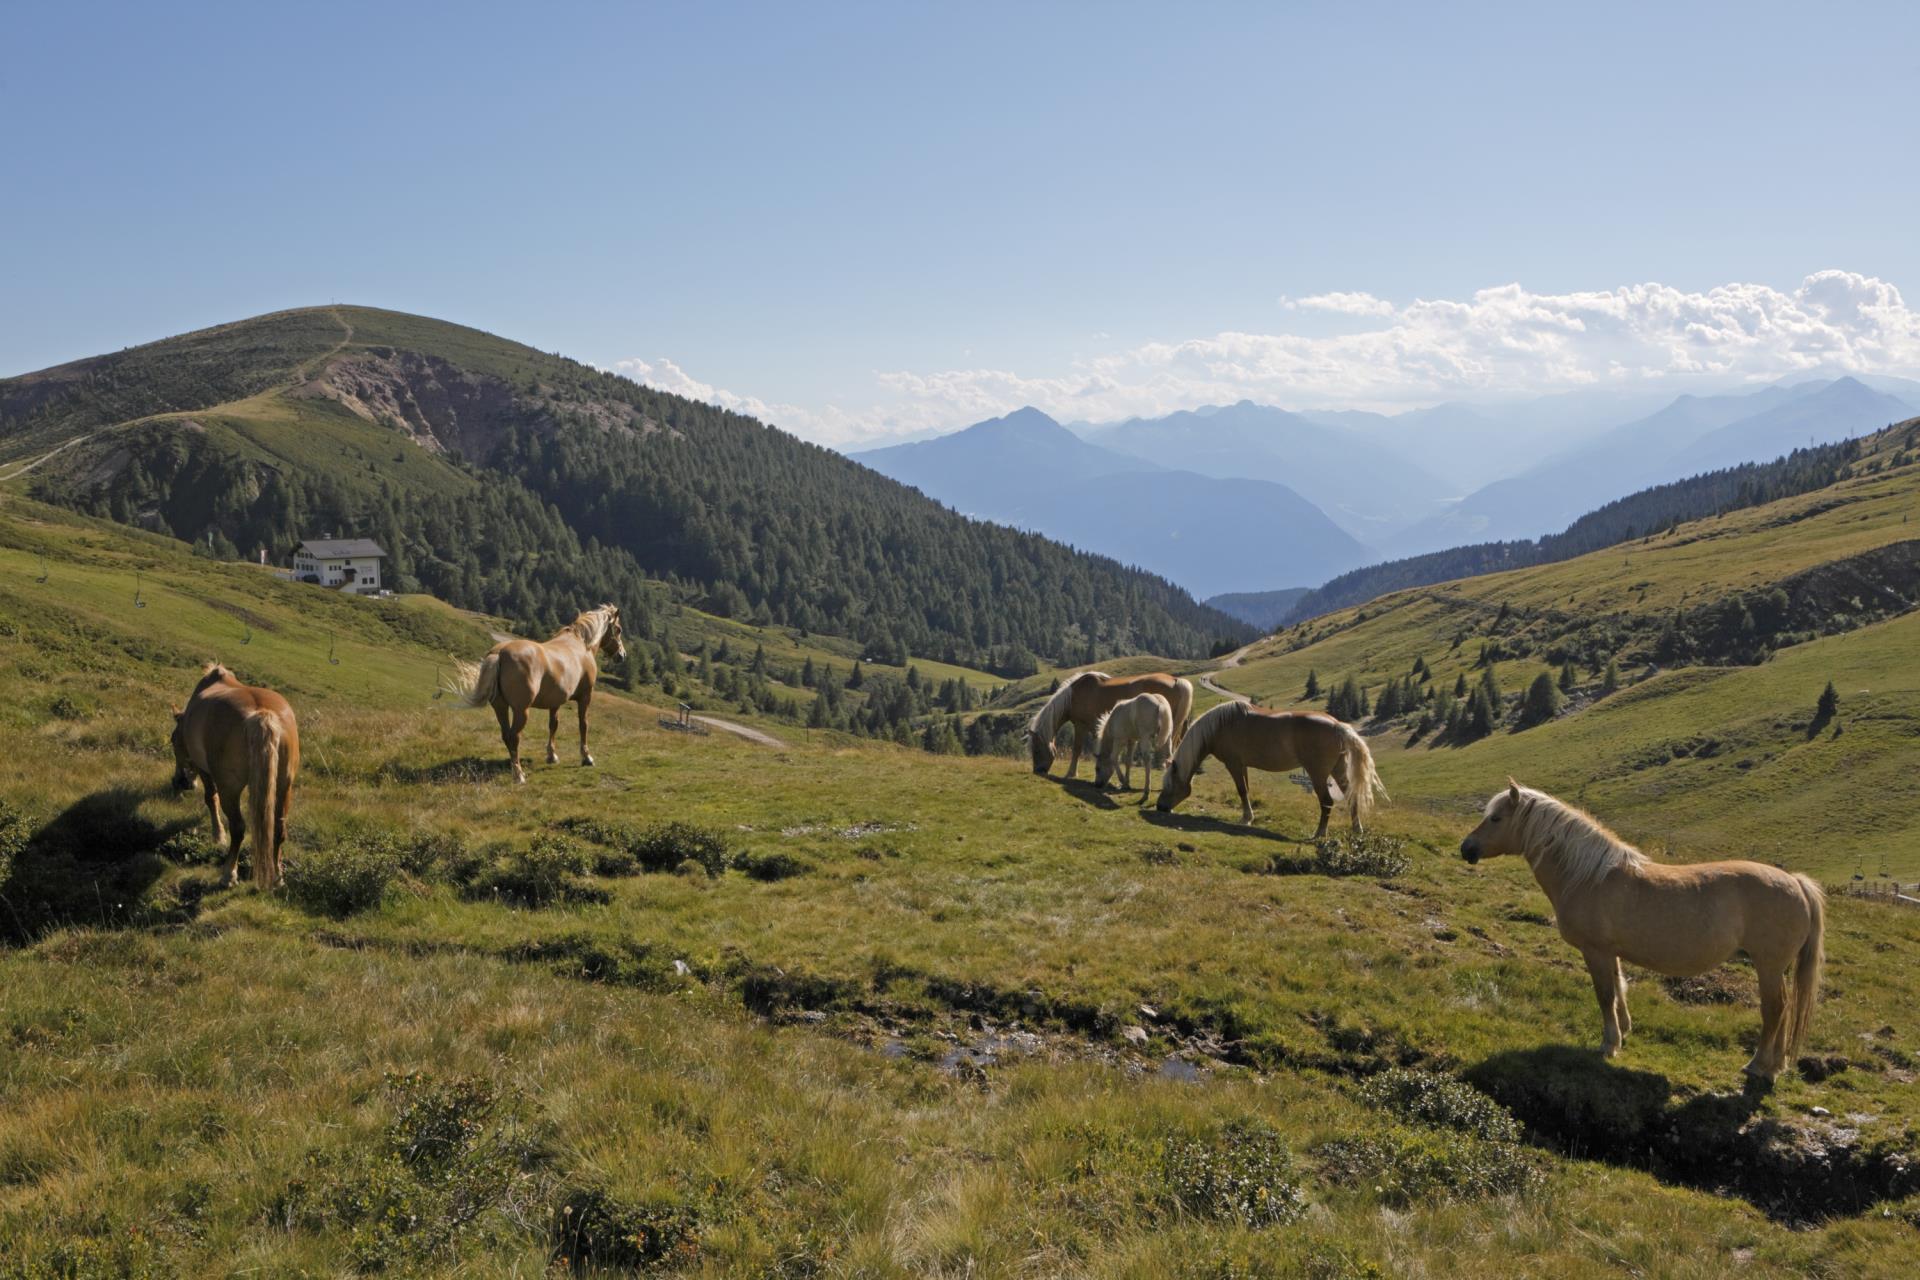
(507,479)
(1723,632)
(881,1013)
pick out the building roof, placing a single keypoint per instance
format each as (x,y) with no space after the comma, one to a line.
(341,548)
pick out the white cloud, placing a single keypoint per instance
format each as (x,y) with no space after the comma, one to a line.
(1501,341)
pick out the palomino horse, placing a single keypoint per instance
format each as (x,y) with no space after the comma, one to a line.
(519,674)
(1245,737)
(1614,904)
(1081,702)
(1141,721)
(233,738)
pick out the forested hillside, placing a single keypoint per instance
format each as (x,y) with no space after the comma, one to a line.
(505,479)
(1636,515)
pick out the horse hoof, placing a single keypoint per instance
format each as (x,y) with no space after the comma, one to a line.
(586,762)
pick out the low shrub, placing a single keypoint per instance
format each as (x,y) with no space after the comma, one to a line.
(454,1153)
(441,855)
(341,879)
(1242,1174)
(1367,854)
(1429,1098)
(663,846)
(192,847)
(545,871)
(593,1229)
(776,865)
(1405,1166)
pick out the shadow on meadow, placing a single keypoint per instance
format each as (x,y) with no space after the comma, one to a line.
(1200,823)
(439,772)
(98,863)
(1575,1102)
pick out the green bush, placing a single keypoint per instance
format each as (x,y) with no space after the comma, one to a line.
(1367,854)
(593,1229)
(14,834)
(1428,1098)
(441,855)
(662,846)
(1405,1166)
(1242,1174)
(339,880)
(453,1153)
(546,871)
(770,866)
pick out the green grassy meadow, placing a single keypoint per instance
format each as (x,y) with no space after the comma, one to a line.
(932,1016)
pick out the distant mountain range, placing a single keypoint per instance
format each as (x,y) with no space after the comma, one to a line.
(1368,493)
(1209,533)
(1690,435)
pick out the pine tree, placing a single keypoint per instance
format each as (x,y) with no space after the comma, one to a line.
(1460,685)
(1313,684)
(856,677)
(1569,680)
(1611,681)
(1542,702)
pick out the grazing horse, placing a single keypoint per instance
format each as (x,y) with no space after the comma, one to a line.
(1245,737)
(1081,702)
(1614,903)
(1144,720)
(233,738)
(519,674)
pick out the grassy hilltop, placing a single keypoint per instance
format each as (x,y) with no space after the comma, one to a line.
(873,1011)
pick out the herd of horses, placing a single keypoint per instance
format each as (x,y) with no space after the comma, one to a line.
(1610,901)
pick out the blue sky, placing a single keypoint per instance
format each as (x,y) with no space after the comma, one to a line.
(868,219)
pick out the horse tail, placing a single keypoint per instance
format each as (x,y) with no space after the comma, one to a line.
(1807,968)
(1365,779)
(474,683)
(265,736)
(1182,707)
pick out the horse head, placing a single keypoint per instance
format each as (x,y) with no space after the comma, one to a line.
(611,642)
(1174,786)
(183,774)
(1042,750)
(1497,833)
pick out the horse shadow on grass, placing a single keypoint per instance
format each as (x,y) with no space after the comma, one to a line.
(1577,1103)
(96,864)
(1087,792)
(1200,823)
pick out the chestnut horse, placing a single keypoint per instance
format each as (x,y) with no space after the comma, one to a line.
(519,674)
(1082,700)
(1141,721)
(1245,737)
(233,738)
(1614,903)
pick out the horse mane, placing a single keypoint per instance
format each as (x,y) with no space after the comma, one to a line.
(1579,843)
(214,673)
(1046,721)
(590,626)
(1200,737)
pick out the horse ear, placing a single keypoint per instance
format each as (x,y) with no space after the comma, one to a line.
(179,714)
(1513,789)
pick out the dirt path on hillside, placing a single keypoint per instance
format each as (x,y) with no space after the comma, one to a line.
(1232,660)
(742,731)
(300,375)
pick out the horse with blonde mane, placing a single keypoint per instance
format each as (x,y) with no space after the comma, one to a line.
(1614,903)
(1143,721)
(234,737)
(520,674)
(1244,737)
(1082,700)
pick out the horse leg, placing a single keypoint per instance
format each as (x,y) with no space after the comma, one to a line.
(586,757)
(1766,1061)
(1325,796)
(514,729)
(1605,970)
(553,728)
(1620,1000)
(236,832)
(212,795)
(1239,773)
(1073,765)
